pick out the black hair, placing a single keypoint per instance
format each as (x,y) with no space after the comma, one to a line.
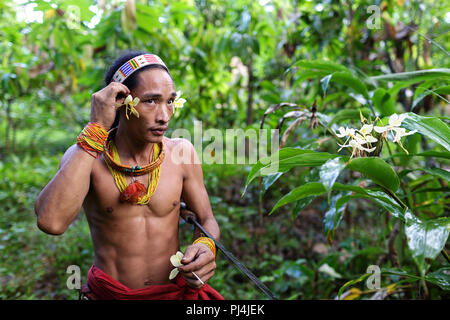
(131,82)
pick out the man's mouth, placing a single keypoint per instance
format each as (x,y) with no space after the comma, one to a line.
(158,131)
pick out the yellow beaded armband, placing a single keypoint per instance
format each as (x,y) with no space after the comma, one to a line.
(92,138)
(208,242)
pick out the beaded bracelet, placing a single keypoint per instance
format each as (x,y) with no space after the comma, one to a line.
(92,138)
(208,242)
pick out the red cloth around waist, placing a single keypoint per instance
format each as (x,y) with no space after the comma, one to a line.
(106,287)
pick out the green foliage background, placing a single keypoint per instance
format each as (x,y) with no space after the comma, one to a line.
(232,60)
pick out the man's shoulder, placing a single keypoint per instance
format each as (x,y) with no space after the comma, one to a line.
(181,150)
(68,154)
(178,143)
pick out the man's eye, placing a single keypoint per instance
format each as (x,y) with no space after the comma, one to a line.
(170,101)
(150,101)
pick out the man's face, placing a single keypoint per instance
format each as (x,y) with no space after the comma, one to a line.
(156,92)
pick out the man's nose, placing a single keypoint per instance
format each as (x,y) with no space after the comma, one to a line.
(163,115)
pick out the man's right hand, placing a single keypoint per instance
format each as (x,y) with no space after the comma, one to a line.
(103,103)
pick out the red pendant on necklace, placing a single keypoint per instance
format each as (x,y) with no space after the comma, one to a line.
(133,192)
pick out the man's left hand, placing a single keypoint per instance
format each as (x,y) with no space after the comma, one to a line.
(198,258)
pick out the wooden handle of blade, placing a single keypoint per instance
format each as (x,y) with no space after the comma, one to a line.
(187,214)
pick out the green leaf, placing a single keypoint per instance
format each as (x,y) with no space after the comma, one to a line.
(445,90)
(332,218)
(330,170)
(345,187)
(440,277)
(352,282)
(382,199)
(387,203)
(78,6)
(414,76)
(400,273)
(343,200)
(307,75)
(376,170)
(285,159)
(437,172)
(269,180)
(144,14)
(320,65)
(349,80)
(436,154)
(352,114)
(383,102)
(300,205)
(306,190)
(431,127)
(426,238)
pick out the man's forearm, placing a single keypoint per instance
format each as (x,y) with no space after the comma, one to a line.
(210,225)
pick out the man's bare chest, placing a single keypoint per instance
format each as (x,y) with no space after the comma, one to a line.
(165,198)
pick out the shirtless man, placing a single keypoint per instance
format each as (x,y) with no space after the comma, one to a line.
(133,243)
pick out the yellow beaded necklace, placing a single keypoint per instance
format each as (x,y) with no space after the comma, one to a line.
(135,193)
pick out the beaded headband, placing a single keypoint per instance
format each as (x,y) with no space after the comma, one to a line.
(136,63)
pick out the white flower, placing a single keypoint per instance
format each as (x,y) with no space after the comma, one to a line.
(176,262)
(395,120)
(356,140)
(345,132)
(129,104)
(179,102)
(365,139)
(129,101)
(357,144)
(401,132)
(366,129)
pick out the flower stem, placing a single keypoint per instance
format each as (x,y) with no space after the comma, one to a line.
(390,153)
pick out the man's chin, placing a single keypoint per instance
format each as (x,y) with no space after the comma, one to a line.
(151,138)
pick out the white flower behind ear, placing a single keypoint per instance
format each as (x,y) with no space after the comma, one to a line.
(176,262)
(135,102)
(179,102)
(129,104)
(128,99)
